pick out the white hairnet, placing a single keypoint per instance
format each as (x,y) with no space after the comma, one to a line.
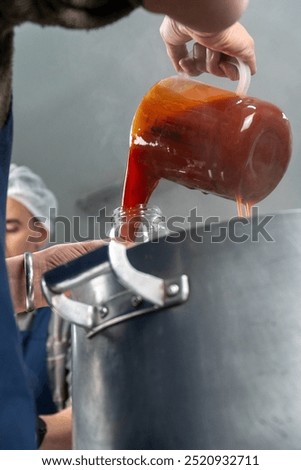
(30,190)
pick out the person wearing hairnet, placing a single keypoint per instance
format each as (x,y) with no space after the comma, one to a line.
(45,336)
(214,28)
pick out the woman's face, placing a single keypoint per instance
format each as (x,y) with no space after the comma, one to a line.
(19,236)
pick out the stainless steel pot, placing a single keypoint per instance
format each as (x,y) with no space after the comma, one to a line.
(203,352)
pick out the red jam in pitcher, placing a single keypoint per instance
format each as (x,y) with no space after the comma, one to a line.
(206,138)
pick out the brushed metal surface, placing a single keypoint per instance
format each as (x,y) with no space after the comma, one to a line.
(222,371)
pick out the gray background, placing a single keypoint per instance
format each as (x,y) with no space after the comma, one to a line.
(75,94)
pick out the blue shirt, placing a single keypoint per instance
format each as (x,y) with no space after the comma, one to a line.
(34,347)
(17,410)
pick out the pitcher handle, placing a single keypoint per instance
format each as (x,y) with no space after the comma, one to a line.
(244,73)
(244,76)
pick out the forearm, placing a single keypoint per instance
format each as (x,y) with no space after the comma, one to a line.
(79,14)
(6,52)
(59,431)
(201,15)
(44,260)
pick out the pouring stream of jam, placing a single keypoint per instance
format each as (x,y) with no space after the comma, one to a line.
(206,138)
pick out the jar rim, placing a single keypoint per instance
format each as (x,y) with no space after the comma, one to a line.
(139,209)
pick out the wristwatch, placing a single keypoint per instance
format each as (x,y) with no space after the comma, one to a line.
(41,431)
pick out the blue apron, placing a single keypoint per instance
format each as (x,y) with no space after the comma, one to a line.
(17,410)
(34,345)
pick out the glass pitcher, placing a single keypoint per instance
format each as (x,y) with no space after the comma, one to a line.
(207,138)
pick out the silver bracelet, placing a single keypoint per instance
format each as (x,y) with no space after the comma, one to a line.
(28,271)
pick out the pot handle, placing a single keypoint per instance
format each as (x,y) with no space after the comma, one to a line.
(159,292)
(154,289)
(73,311)
(56,282)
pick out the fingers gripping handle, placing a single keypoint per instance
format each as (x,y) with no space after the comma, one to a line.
(244,73)
(244,76)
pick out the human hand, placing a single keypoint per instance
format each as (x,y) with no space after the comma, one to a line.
(50,258)
(43,261)
(212,52)
(59,430)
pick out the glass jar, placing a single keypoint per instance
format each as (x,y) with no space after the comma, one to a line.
(137,224)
